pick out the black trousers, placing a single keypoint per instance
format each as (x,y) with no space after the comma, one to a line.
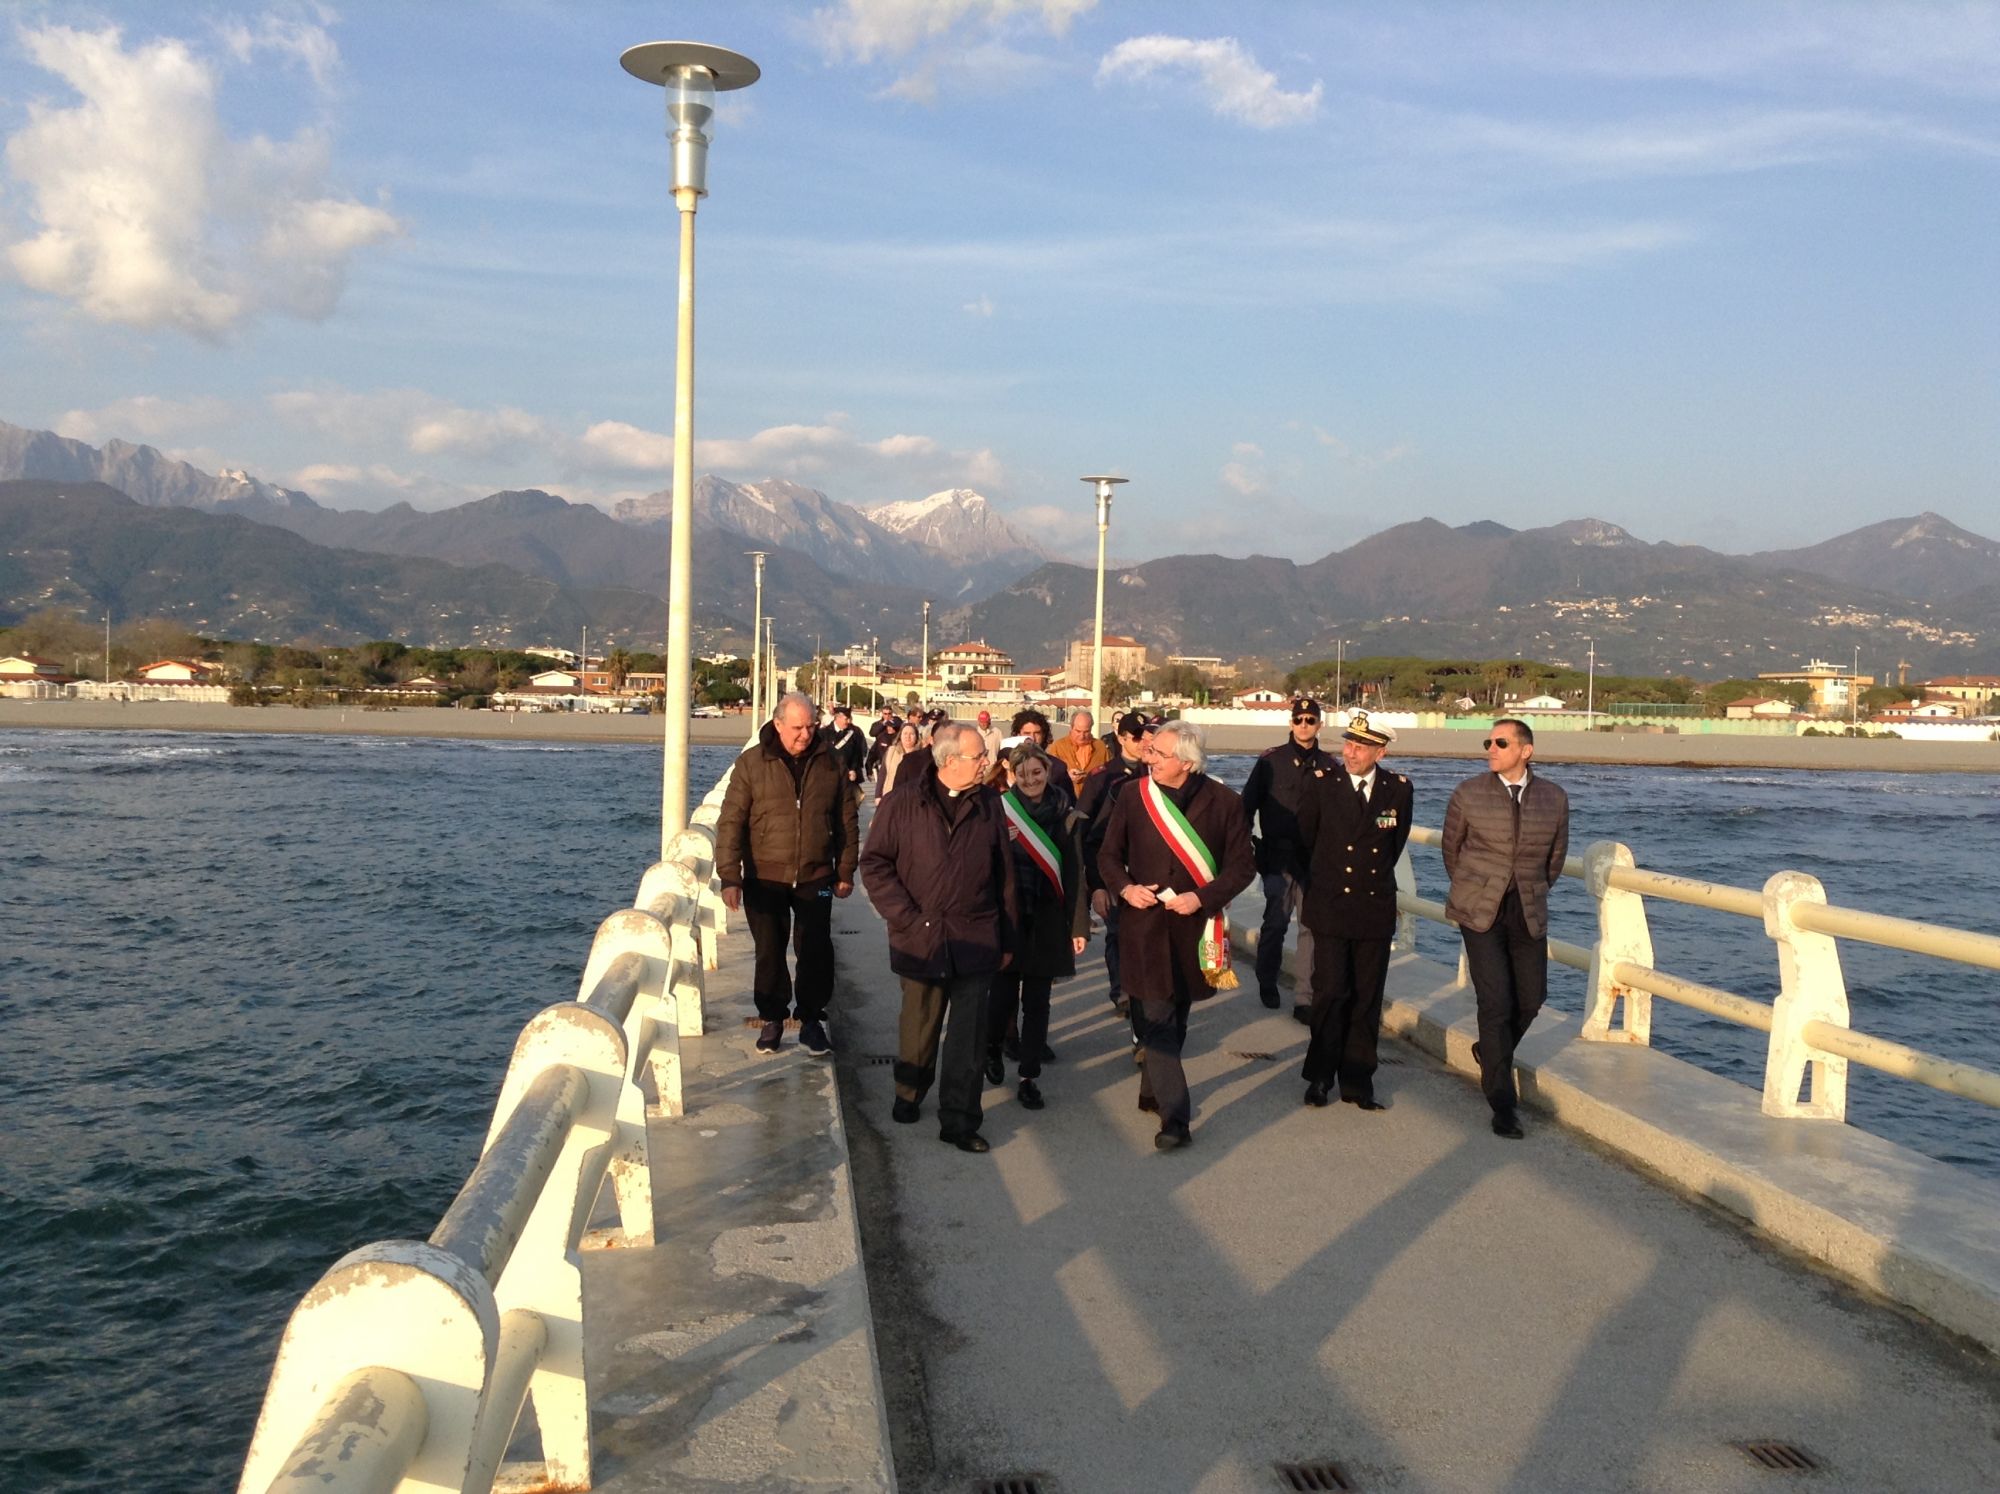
(1510,979)
(1161,1027)
(803,916)
(1111,949)
(1029,996)
(1282,892)
(960,1071)
(1347,980)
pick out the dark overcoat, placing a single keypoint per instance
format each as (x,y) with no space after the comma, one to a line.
(1100,791)
(1051,921)
(939,871)
(1350,851)
(1488,847)
(1159,952)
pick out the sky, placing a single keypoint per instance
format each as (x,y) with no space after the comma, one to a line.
(1722,274)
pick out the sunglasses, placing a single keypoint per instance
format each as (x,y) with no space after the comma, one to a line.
(1502,742)
(1305,721)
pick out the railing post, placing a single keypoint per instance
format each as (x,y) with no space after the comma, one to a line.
(1622,934)
(544,1275)
(694,848)
(1405,941)
(401,1305)
(1811,989)
(670,893)
(653,1040)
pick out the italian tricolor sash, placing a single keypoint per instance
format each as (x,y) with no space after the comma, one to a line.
(1040,846)
(1193,853)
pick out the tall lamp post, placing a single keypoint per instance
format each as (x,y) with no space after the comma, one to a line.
(924,671)
(770,668)
(1104,485)
(1590,688)
(757,641)
(1854,690)
(691,74)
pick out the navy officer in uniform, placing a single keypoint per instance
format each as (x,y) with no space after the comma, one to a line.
(1354,820)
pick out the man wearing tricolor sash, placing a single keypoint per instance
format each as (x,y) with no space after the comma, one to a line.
(1175,853)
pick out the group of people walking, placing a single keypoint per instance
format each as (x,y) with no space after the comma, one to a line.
(988,855)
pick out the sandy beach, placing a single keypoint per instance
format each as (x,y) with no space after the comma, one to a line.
(1828,753)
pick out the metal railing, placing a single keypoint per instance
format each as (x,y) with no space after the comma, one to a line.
(1811,1043)
(408,1365)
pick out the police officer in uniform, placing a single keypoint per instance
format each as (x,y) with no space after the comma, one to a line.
(1272,793)
(1354,820)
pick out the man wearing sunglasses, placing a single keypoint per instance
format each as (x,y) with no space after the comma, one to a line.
(1276,787)
(1506,833)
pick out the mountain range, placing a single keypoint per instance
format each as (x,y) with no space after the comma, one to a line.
(529,566)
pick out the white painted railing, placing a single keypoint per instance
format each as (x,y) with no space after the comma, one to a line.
(1811,1043)
(408,1365)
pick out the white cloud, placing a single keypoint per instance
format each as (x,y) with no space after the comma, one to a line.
(828,455)
(143,417)
(983,307)
(373,485)
(1238,88)
(1244,473)
(418,422)
(479,432)
(868,29)
(293,36)
(149,215)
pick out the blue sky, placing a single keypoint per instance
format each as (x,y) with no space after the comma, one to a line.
(1721,274)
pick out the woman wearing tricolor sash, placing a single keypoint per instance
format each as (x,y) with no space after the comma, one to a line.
(1176,852)
(1047,838)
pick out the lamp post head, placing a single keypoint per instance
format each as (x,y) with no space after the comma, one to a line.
(1104,487)
(692,73)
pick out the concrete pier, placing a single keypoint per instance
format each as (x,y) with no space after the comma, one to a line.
(838,1302)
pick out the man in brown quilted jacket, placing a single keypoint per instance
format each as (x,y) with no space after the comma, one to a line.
(785,847)
(1506,833)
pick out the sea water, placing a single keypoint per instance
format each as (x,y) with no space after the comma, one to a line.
(259,991)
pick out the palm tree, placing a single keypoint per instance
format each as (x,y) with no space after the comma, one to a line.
(618,664)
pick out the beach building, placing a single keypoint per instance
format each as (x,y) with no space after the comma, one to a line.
(1977,691)
(1124,658)
(954,667)
(178,672)
(1832,686)
(31,677)
(1252,700)
(1758,708)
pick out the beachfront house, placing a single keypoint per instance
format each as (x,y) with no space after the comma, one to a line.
(1758,708)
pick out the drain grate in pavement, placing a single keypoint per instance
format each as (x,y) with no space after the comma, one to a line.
(1012,1483)
(1779,1457)
(876,1060)
(1254,1057)
(1312,1477)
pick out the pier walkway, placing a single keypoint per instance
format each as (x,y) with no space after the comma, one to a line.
(1402,1295)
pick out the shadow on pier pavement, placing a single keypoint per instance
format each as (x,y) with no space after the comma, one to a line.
(1401,1294)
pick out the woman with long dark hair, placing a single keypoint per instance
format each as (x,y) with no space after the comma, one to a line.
(1047,836)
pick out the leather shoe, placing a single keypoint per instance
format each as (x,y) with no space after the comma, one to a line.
(1475,1053)
(1302,1014)
(1172,1138)
(1363,1102)
(771,1037)
(1148,1104)
(1507,1124)
(966,1141)
(1316,1096)
(996,1070)
(1048,1054)
(1030,1095)
(904,1112)
(1269,998)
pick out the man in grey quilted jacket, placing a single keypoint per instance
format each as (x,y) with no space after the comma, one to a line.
(1506,833)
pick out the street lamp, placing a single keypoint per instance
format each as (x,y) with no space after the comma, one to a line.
(1854,690)
(1339,658)
(691,75)
(1104,487)
(1590,688)
(924,672)
(757,638)
(771,668)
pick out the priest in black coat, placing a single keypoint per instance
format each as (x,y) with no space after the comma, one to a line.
(1353,824)
(1165,911)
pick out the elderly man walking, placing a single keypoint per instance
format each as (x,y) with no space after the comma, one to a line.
(1506,832)
(938,869)
(1081,752)
(1176,852)
(1353,824)
(785,847)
